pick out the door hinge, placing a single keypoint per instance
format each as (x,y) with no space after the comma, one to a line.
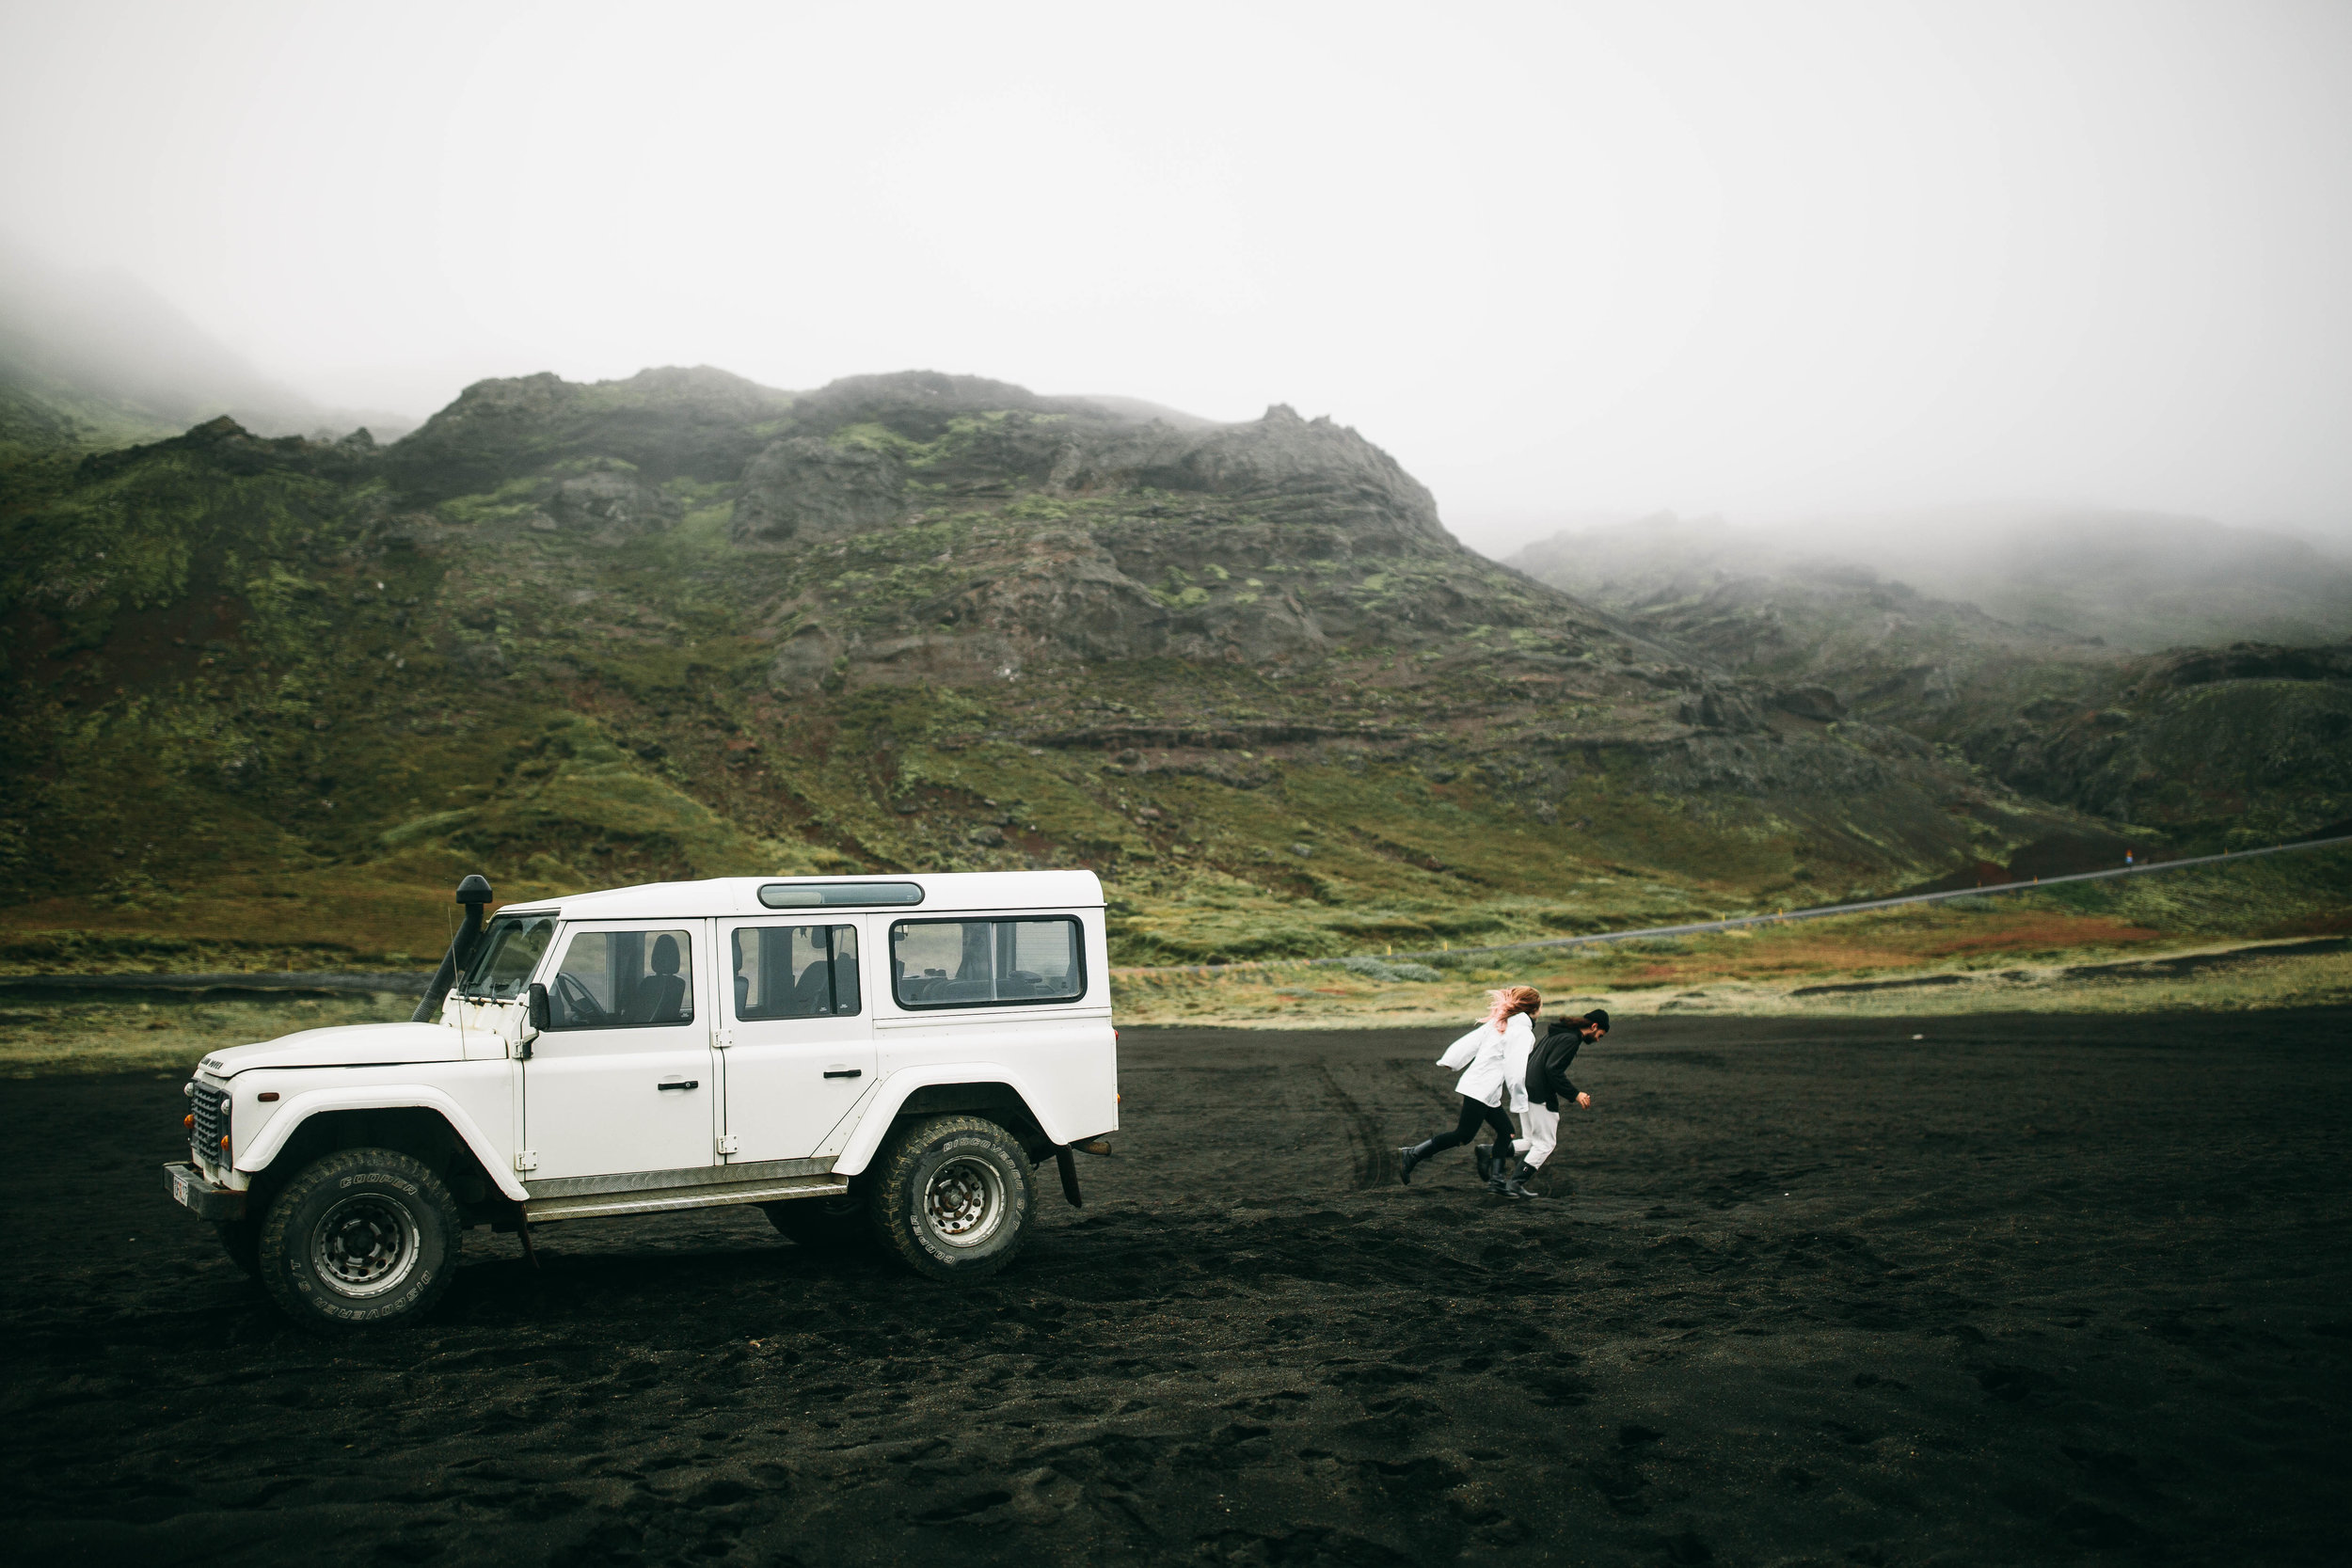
(728,1144)
(527,1159)
(726,1038)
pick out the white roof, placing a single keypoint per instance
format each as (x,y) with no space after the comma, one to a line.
(946,892)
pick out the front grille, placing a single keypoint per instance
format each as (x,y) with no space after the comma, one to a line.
(211,1106)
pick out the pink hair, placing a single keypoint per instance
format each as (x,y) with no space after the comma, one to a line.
(1509,1000)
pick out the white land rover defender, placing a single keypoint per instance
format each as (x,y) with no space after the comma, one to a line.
(680,1045)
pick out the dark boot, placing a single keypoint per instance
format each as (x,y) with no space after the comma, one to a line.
(1486,1159)
(1407,1158)
(1499,1178)
(1518,1187)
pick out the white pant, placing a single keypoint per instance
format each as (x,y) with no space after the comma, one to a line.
(1542,1134)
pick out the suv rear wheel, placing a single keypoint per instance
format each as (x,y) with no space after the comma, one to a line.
(363,1237)
(954,1197)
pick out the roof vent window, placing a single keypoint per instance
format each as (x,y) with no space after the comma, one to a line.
(802,895)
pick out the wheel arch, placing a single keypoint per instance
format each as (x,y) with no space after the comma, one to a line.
(981,1090)
(417,1120)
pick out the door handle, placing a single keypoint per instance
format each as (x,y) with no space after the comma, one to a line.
(842,1073)
(683,1083)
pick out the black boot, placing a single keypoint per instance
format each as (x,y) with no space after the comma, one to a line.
(1407,1158)
(1486,1159)
(1499,1179)
(1518,1187)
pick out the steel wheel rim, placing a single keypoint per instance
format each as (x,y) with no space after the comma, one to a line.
(364,1246)
(964,1202)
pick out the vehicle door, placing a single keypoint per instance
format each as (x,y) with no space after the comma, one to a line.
(800,1035)
(621,1080)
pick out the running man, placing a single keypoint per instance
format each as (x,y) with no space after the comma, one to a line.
(1547,1066)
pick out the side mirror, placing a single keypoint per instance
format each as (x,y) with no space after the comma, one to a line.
(539,1011)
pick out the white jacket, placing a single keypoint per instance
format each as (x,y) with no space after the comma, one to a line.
(1497,1062)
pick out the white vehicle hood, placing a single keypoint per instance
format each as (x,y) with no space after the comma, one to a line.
(348,1045)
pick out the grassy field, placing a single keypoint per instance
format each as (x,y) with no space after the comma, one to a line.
(2309,972)
(2259,934)
(40,1038)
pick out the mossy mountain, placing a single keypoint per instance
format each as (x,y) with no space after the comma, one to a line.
(684,625)
(2246,742)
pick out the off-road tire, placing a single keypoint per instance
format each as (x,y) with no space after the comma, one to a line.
(953,1197)
(364,1238)
(242,1240)
(834,1223)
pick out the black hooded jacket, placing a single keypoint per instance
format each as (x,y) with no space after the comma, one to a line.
(1548,1064)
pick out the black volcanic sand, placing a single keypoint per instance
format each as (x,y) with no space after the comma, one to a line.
(2028,1290)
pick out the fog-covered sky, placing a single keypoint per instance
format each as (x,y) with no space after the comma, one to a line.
(1564,261)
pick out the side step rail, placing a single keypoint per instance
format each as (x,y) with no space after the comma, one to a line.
(705,1195)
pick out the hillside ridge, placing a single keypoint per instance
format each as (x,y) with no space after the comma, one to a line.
(681,624)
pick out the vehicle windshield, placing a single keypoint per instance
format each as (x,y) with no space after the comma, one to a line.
(510,950)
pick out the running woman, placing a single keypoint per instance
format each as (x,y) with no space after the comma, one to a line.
(1495,1057)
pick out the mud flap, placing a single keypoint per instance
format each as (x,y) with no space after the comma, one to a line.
(1069,1163)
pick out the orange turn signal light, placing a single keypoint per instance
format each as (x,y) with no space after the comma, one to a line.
(224,1140)
(188,1120)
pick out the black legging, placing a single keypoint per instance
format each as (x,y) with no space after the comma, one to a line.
(1465,1130)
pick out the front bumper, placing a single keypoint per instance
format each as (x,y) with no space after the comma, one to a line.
(191,1191)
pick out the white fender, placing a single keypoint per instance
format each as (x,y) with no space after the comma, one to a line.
(892,1092)
(379,1096)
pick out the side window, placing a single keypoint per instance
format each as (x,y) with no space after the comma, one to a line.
(963,963)
(623,980)
(795,972)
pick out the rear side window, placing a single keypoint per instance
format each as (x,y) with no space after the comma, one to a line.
(795,972)
(977,963)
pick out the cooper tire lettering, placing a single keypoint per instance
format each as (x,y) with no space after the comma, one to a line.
(359,1239)
(954,1197)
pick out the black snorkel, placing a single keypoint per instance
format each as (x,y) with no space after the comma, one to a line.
(474,893)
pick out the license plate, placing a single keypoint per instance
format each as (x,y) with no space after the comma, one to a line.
(180,1188)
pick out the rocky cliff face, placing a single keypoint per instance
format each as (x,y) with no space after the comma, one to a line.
(1288,469)
(612,502)
(966,433)
(2245,745)
(2237,744)
(807,490)
(1086,533)
(695,424)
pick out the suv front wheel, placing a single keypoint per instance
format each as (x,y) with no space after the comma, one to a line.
(364,1238)
(954,1197)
